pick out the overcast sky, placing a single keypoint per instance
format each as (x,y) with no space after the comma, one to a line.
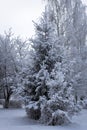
(19,14)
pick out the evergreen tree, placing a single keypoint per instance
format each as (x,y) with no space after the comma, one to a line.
(42,64)
(47,78)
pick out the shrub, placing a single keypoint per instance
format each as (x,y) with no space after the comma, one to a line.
(46,115)
(52,114)
(59,117)
(15,104)
(33,110)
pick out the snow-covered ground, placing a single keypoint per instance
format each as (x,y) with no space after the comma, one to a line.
(17,120)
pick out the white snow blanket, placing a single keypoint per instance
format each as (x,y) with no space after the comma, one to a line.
(16,119)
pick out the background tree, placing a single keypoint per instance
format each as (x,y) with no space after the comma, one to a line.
(12,64)
(7,66)
(71,21)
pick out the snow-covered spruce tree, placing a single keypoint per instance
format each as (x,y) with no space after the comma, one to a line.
(42,64)
(49,93)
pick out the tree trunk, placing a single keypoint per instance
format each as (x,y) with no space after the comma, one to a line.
(6,104)
(7,95)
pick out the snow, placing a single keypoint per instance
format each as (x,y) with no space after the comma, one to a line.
(16,119)
(32,105)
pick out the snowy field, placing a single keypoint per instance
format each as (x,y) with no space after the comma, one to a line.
(17,120)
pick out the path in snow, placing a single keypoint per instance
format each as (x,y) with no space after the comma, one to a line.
(17,120)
